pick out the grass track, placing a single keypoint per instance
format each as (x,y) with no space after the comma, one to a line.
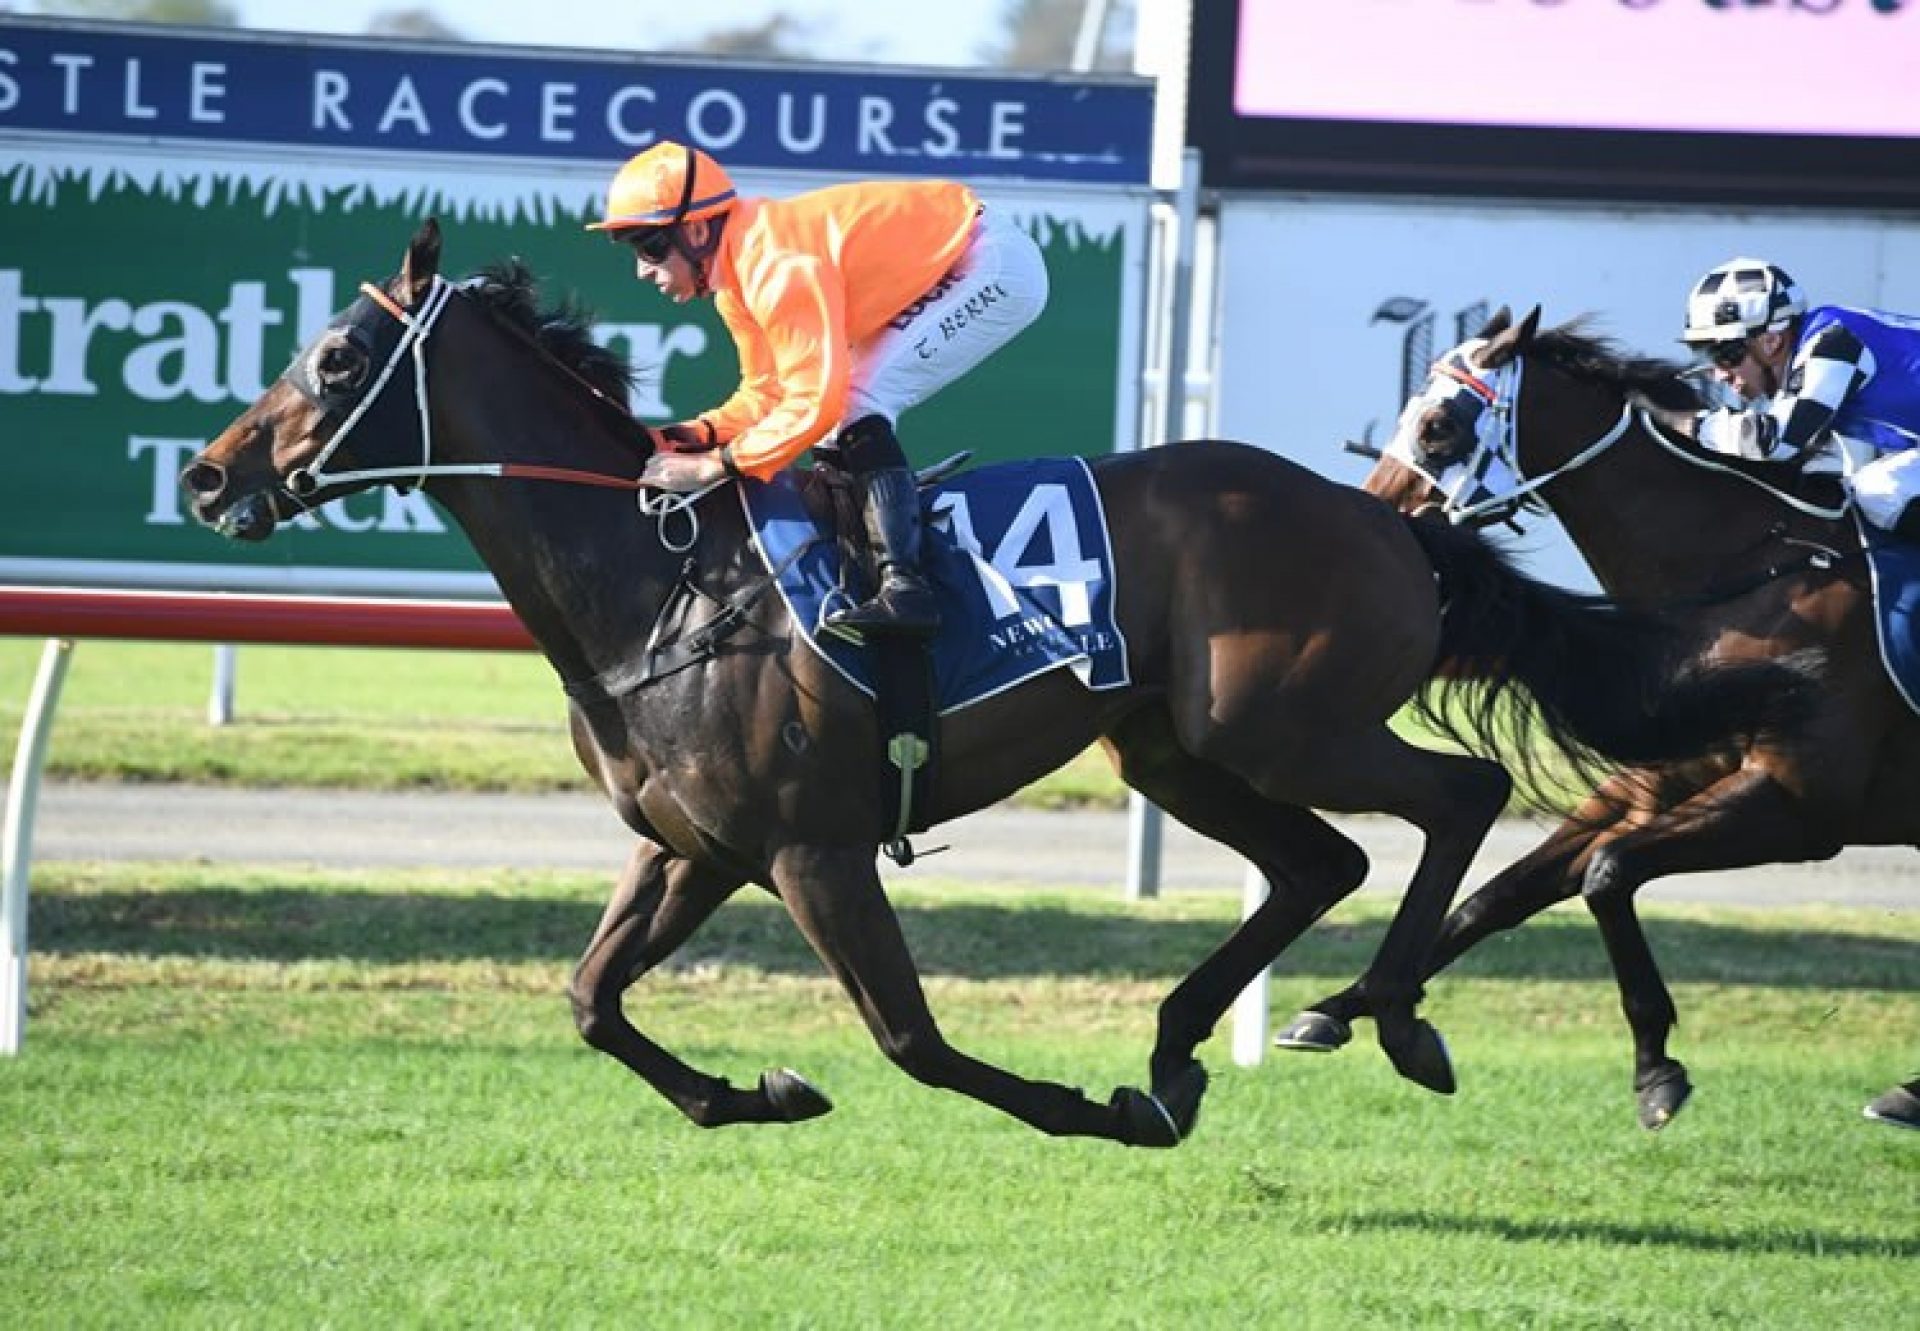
(342,718)
(354,1100)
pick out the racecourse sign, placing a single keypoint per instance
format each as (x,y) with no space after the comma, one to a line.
(182,212)
(202,88)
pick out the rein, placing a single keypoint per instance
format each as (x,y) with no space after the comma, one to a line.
(302,484)
(1698,458)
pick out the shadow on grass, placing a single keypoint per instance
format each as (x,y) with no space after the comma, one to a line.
(979,940)
(1811,1241)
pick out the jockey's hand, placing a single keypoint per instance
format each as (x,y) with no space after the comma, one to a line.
(686,437)
(683,472)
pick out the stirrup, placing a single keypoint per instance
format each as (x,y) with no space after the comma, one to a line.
(942,469)
(875,617)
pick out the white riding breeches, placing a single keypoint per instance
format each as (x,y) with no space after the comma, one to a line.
(1884,487)
(997,288)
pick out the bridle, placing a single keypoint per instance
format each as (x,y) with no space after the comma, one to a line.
(1496,427)
(304,483)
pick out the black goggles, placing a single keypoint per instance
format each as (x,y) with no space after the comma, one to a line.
(1726,355)
(652,244)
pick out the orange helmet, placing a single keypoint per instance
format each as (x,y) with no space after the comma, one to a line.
(667,184)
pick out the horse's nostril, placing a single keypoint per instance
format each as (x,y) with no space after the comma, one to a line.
(204,478)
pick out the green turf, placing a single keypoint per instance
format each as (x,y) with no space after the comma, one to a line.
(257,1098)
(333,717)
(353,718)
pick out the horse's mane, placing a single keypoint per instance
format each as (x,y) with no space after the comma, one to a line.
(1584,355)
(564,331)
(1650,381)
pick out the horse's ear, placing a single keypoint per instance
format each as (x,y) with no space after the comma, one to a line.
(1506,339)
(1523,335)
(422,262)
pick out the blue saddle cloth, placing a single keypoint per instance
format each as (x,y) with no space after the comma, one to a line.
(1018,554)
(1896,605)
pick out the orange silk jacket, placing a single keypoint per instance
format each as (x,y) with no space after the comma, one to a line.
(799,282)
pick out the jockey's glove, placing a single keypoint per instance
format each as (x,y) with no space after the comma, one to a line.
(695,436)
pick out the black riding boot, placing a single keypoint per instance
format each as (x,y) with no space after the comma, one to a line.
(905,603)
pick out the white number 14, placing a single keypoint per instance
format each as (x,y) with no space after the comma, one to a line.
(1068,572)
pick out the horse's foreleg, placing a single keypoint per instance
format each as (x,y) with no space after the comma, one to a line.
(1748,818)
(657,904)
(835,896)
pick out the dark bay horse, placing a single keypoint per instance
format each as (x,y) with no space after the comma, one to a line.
(1274,620)
(1762,569)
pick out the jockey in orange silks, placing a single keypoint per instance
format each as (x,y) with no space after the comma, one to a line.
(847,305)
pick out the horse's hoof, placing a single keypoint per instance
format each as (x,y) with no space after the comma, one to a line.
(1144,1119)
(1899,1107)
(1181,1094)
(1663,1097)
(1313,1033)
(1420,1055)
(792,1095)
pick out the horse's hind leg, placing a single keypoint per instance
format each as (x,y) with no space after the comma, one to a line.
(1746,819)
(1452,798)
(658,902)
(835,896)
(1548,874)
(1310,867)
(1898,1107)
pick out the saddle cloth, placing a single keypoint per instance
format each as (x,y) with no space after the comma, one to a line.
(1020,558)
(1896,605)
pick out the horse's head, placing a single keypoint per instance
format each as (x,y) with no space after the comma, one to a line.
(1452,451)
(290,450)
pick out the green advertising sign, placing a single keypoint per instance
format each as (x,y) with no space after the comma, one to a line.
(143,307)
(150,290)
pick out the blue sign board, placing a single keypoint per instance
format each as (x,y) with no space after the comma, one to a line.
(195,85)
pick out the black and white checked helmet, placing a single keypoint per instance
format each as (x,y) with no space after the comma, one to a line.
(1739,298)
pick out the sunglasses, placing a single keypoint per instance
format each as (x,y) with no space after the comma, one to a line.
(652,246)
(1726,355)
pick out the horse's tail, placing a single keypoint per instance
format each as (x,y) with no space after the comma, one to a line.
(1605,684)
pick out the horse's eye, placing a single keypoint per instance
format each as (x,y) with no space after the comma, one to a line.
(341,367)
(1436,435)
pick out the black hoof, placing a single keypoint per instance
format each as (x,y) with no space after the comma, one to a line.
(1899,1107)
(1313,1033)
(792,1096)
(1181,1094)
(1420,1055)
(1147,1120)
(1663,1097)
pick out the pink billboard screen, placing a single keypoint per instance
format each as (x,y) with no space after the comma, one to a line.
(1774,67)
(1762,100)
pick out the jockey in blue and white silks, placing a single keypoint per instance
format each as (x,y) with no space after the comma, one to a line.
(1834,372)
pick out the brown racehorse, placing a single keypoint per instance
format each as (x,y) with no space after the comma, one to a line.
(1275,621)
(1603,439)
